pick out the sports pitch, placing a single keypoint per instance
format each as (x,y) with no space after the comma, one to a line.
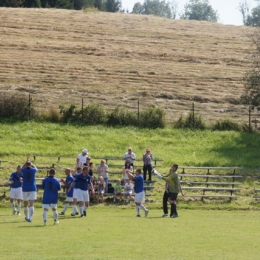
(111,232)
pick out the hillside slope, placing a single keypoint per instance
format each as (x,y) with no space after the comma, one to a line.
(113,59)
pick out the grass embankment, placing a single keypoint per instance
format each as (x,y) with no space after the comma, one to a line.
(185,147)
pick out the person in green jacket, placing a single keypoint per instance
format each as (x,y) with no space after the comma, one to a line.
(174,187)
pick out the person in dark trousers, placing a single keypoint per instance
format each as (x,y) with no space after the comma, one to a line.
(174,186)
(165,200)
(147,160)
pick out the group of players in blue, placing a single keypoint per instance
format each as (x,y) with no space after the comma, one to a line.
(23,187)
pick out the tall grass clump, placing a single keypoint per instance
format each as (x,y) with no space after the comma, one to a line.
(152,118)
(122,117)
(229,125)
(192,121)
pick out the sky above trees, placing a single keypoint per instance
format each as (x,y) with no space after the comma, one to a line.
(227,9)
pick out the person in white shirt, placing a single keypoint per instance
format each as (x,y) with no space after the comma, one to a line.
(129,187)
(130,156)
(127,168)
(82,158)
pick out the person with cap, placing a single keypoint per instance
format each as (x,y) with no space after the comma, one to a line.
(29,171)
(147,160)
(82,158)
(130,156)
(51,186)
(16,190)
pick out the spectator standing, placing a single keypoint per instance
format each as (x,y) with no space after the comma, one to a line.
(51,186)
(29,171)
(82,158)
(101,189)
(127,168)
(90,166)
(147,160)
(103,171)
(130,156)
(16,192)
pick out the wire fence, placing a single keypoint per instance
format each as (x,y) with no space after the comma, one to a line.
(210,112)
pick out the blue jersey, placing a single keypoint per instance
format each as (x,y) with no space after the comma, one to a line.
(29,183)
(69,180)
(51,187)
(82,181)
(139,183)
(15,177)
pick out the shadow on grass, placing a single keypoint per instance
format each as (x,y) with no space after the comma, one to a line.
(239,150)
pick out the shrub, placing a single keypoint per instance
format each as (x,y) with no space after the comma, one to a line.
(195,122)
(18,107)
(68,114)
(152,118)
(52,115)
(94,114)
(122,117)
(229,125)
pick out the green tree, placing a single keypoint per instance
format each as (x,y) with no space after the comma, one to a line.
(32,3)
(11,3)
(251,95)
(199,10)
(113,5)
(156,7)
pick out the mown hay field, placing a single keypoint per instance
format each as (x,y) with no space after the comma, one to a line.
(114,59)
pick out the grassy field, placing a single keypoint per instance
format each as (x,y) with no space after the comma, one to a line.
(115,233)
(114,59)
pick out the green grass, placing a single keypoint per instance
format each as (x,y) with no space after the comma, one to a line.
(185,147)
(114,233)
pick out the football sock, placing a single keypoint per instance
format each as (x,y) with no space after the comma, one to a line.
(26,212)
(45,215)
(143,207)
(81,210)
(31,210)
(65,207)
(55,215)
(75,210)
(138,210)
(19,207)
(13,206)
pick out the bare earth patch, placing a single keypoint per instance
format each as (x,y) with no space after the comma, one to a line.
(114,59)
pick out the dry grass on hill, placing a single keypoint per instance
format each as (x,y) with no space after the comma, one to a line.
(113,59)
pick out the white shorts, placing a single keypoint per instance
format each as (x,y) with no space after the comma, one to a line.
(69,199)
(29,195)
(16,193)
(140,197)
(75,193)
(82,195)
(49,206)
(128,192)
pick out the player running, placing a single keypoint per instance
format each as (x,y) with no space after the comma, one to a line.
(139,191)
(51,186)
